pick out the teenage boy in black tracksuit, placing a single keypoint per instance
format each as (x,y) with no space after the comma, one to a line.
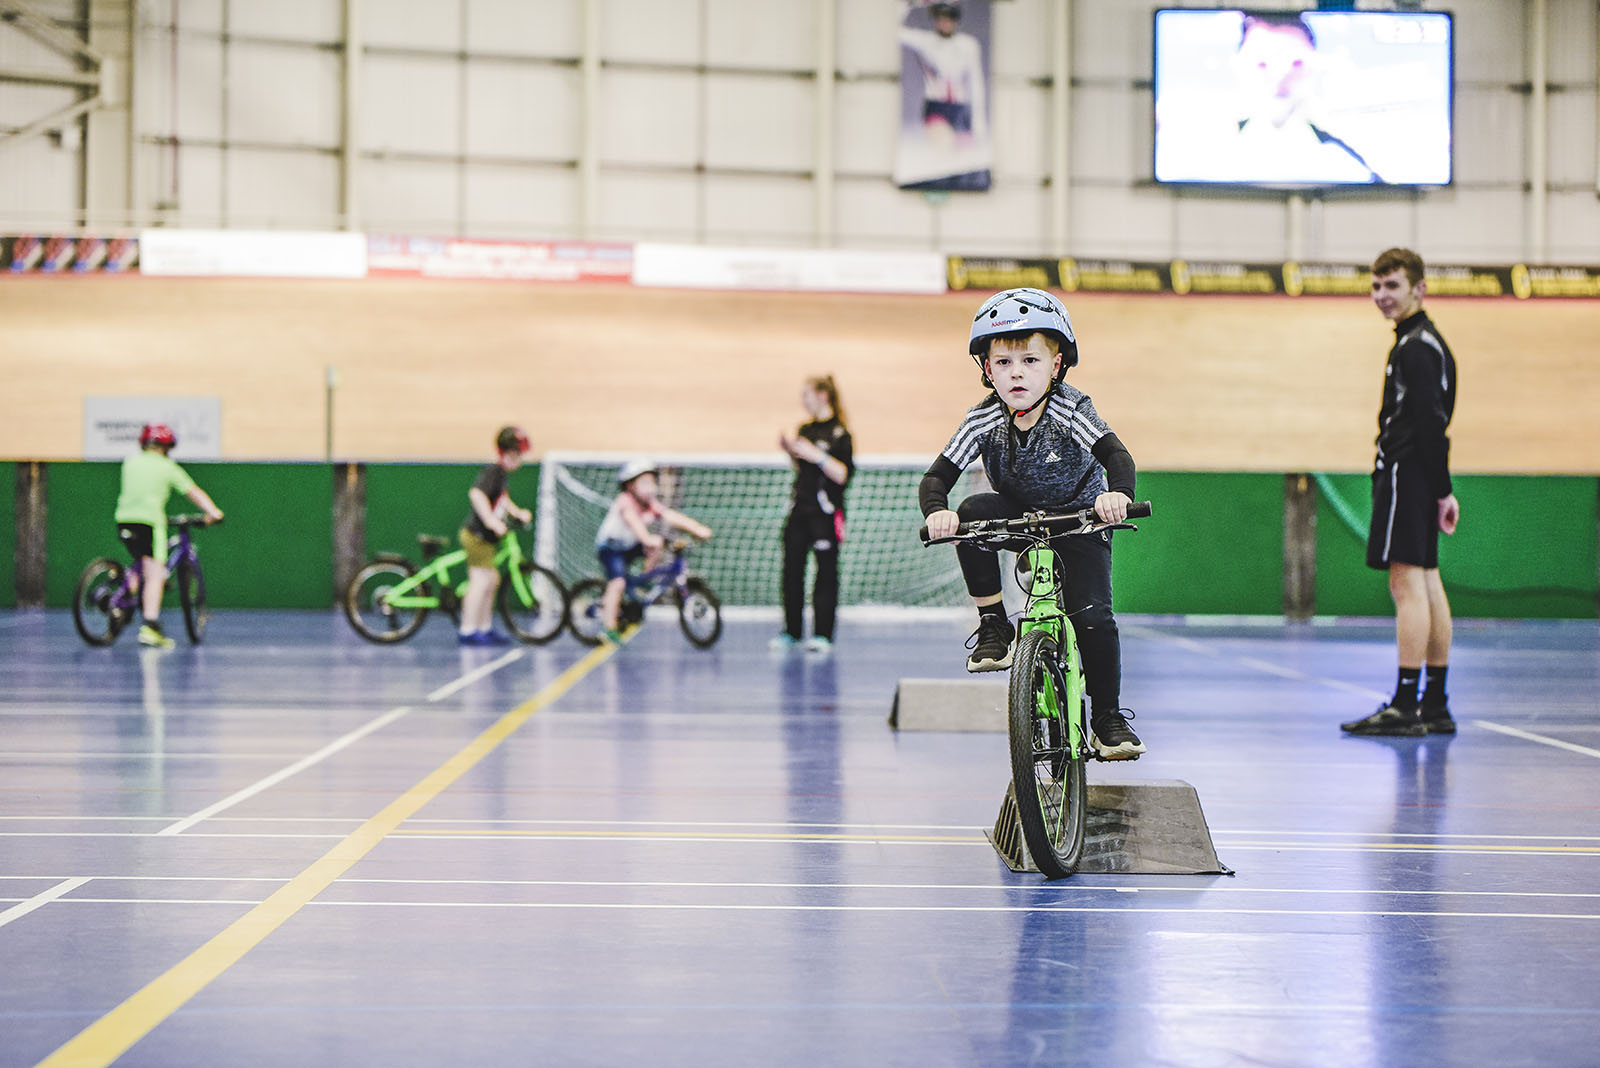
(1412,499)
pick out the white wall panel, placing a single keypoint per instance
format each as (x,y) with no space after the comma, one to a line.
(525,27)
(1572,41)
(292,20)
(18,49)
(866,38)
(1472,225)
(1574,228)
(1020,133)
(283,95)
(196,198)
(759,122)
(409,197)
(1111,39)
(424,24)
(653,31)
(1356,228)
(778,36)
(1490,127)
(1572,144)
(866,116)
(198,91)
(753,210)
(21,103)
(640,207)
(1248,229)
(1020,36)
(1109,139)
(536,202)
(649,117)
(523,111)
(410,103)
(40,185)
(281,190)
(1011,219)
(1491,38)
(874,214)
(1118,220)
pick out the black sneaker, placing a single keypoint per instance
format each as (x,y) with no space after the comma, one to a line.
(1389,721)
(1437,720)
(1112,738)
(991,644)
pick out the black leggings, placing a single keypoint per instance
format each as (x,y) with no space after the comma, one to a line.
(800,538)
(1085,566)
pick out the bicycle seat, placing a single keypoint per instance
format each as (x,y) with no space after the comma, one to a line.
(432,543)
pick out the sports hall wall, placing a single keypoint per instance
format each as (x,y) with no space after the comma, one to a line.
(704,122)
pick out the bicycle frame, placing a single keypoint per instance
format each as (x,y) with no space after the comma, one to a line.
(669,574)
(180,549)
(1044,612)
(508,557)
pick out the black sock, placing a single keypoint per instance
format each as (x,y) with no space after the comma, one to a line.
(1405,688)
(1098,708)
(1433,692)
(994,611)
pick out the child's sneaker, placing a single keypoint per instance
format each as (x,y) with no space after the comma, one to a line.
(1112,738)
(818,644)
(1437,720)
(611,637)
(150,634)
(991,644)
(474,637)
(1388,721)
(492,637)
(783,641)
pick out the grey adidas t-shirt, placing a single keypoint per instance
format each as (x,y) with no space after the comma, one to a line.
(1054,468)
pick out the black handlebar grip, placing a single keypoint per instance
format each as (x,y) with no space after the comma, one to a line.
(1139,510)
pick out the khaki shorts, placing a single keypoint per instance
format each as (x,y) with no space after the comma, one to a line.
(480,553)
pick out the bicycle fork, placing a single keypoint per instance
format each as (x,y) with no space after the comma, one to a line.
(1044,613)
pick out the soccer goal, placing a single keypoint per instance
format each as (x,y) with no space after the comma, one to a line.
(744,499)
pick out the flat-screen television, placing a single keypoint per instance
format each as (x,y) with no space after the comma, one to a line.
(1303,98)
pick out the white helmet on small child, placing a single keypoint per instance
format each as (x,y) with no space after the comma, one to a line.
(633,469)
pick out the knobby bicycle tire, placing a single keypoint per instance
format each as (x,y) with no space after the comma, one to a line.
(585,616)
(1050,781)
(192,598)
(700,614)
(97,623)
(368,612)
(544,618)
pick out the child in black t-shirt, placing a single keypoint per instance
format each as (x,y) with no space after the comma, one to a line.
(480,536)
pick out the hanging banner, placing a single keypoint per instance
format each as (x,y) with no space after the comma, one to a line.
(944,141)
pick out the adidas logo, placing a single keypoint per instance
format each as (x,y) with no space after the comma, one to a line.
(1052,458)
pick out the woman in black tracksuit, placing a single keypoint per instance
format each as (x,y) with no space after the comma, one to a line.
(823,461)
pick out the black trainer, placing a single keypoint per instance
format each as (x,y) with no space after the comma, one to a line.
(1388,721)
(1112,738)
(1437,720)
(991,644)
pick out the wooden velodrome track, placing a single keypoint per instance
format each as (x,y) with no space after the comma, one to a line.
(426,369)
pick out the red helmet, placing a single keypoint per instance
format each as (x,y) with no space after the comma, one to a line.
(157,434)
(512,439)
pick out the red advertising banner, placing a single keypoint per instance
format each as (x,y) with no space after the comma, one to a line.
(514,261)
(45,254)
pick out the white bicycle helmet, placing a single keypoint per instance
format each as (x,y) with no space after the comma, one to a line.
(633,469)
(1023,310)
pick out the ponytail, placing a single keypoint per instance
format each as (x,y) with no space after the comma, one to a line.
(831,391)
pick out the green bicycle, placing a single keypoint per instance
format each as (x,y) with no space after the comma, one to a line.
(1047,708)
(388,599)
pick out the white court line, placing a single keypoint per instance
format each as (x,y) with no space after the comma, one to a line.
(473,676)
(1540,738)
(16,912)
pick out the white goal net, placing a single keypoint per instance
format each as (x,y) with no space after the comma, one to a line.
(744,499)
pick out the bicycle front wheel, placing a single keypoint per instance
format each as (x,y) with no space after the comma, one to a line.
(94,610)
(366,603)
(192,597)
(542,618)
(700,614)
(1051,788)
(585,613)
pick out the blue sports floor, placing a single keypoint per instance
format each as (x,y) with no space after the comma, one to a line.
(290,847)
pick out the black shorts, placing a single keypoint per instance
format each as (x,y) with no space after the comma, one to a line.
(958,116)
(138,538)
(1405,519)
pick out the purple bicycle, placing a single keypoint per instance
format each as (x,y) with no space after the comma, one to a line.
(107,598)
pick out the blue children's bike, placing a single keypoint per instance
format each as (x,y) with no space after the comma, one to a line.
(699,611)
(107,597)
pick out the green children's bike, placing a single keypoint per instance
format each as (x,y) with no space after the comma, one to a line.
(390,598)
(1047,708)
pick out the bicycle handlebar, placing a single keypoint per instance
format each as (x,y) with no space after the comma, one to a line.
(191,519)
(1036,524)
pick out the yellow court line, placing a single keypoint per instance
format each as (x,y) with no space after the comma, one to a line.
(114,1033)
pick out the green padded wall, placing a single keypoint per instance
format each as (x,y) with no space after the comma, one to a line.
(8,534)
(404,500)
(274,551)
(1213,545)
(1525,548)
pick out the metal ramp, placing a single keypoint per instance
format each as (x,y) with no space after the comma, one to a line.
(1151,827)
